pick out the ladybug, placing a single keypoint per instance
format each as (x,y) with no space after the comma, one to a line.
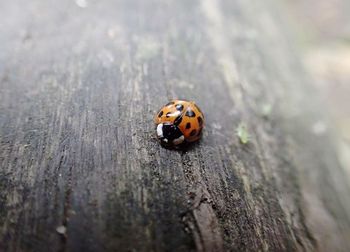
(179,122)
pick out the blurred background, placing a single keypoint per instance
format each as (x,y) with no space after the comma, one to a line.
(323,34)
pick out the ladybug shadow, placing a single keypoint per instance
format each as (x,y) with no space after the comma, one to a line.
(184,147)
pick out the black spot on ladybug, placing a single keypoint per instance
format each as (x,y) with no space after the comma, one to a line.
(179,107)
(190,113)
(169,103)
(193,132)
(160,113)
(198,108)
(188,125)
(178,120)
(199,132)
(168,114)
(200,120)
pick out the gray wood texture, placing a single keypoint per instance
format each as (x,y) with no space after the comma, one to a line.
(81,170)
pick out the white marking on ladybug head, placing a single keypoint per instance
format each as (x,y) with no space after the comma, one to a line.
(174,114)
(165,140)
(160,130)
(179,140)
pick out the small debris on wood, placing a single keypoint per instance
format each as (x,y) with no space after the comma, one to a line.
(61,230)
(266,110)
(242,133)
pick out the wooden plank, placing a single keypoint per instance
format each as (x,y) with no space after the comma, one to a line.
(80,83)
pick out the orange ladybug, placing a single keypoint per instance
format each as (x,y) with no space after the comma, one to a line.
(178,122)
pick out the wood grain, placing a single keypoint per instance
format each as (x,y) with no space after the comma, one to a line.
(80,83)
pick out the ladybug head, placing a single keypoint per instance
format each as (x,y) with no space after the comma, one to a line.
(169,134)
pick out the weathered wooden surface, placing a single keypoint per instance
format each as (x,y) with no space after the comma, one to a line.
(80,82)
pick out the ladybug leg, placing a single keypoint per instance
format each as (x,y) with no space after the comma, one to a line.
(179,140)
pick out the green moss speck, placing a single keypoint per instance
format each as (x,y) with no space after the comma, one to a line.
(242,133)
